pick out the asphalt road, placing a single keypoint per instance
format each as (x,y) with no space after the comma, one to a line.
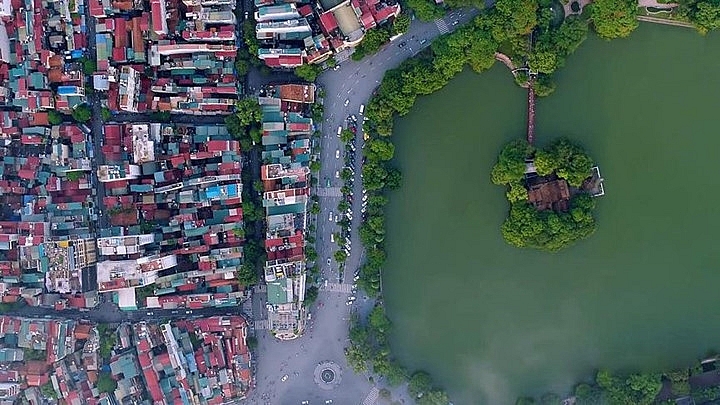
(345,90)
(108,312)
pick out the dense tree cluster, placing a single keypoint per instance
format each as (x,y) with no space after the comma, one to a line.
(704,14)
(426,10)
(553,44)
(614,18)
(641,388)
(548,230)
(566,159)
(637,389)
(525,226)
(510,166)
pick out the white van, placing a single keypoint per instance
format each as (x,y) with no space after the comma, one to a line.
(362,108)
(339,131)
(332,238)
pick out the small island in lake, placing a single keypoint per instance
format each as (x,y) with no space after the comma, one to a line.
(550,192)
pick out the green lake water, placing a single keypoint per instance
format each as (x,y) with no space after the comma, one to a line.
(492,322)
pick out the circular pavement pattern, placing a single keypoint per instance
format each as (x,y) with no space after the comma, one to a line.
(328,375)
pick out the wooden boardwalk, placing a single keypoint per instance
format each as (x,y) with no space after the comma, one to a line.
(531,114)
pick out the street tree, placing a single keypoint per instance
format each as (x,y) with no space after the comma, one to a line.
(308,72)
(248,111)
(82,113)
(340,256)
(54,117)
(419,384)
(401,24)
(346,135)
(426,10)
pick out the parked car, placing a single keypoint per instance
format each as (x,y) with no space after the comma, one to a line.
(331,217)
(284,378)
(347,101)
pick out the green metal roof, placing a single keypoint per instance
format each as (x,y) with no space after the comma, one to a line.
(276,292)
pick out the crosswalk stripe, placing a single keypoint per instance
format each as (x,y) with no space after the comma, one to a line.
(372,396)
(336,287)
(442,26)
(262,324)
(329,192)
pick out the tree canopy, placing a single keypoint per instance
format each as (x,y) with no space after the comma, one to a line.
(54,117)
(554,44)
(82,113)
(106,383)
(614,18)
(510,166)
(374,39)
(248,111)
(525,226)
(704,14)
(566,159)
(548,230)
(308,72)
(401,24)
(637,389)
(426,10)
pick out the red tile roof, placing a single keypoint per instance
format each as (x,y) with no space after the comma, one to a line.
(328,22)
